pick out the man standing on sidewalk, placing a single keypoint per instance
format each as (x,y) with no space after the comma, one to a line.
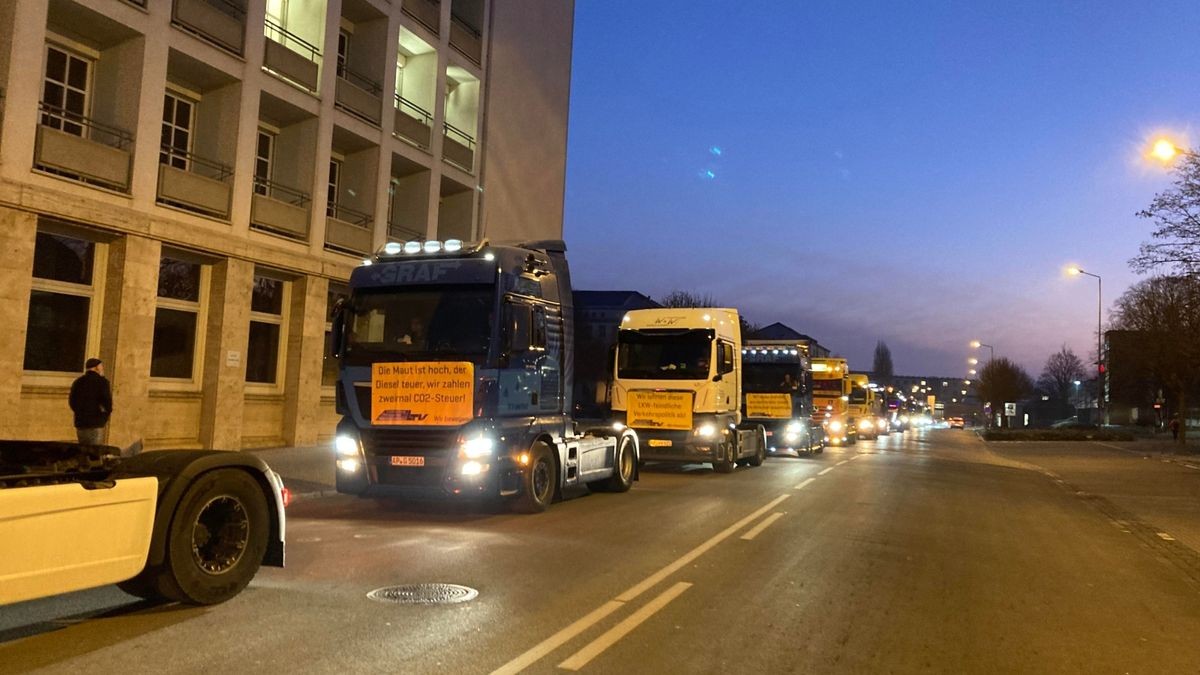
(91,401)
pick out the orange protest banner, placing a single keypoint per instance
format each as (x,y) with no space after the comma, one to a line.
(426,393)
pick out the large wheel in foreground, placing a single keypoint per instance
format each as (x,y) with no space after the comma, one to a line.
(539,482)
(216,540)
(728,461)
(760,455)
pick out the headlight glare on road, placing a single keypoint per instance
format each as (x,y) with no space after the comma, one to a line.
(346,446)
(480,446)
(706,430)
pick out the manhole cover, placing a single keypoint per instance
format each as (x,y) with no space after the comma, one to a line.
(424,594)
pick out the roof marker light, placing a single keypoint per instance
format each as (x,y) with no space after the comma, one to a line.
(411,247)
(393,247)
(453,245)
(366,262)
(489,256)
(433,246)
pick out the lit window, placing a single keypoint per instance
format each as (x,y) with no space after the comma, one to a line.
(61,303)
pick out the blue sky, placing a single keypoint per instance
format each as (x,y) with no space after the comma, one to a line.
(916,172)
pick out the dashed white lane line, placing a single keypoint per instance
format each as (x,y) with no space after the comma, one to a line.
(558,639)
(853,457)
(650,581)
(804,483)
(842,462)
(612,635)
(1165,537)
(1192,466)
(825,471)
(757,529)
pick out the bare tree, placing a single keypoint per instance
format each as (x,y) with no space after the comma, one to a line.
(1175,242)
(1165,312)
(882,366)
(1058,378)
(1002,381)
(687,299)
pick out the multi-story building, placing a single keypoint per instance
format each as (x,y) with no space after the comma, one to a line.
(185,186)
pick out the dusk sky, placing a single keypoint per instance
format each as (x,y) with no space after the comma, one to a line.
(919,173)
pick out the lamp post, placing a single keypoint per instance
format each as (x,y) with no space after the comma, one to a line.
(1075,271)
(976,344)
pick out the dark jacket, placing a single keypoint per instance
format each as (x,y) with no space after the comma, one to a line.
(91,400)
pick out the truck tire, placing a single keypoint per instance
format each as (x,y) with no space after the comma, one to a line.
(728,461)
(623,467)
(760,454)
(216,540)
(539,484)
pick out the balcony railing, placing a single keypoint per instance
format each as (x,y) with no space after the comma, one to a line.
(79,147)
(428,13)
(189,181)
(290,55)
(347,229)
(221,22)
(279,209)
(459,147)
(358,95)
(402,233)
(466,39)
(412,122)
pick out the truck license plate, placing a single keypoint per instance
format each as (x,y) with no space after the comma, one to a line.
(656,443)
(400,460)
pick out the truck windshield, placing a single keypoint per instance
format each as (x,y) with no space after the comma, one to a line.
(827,387)
(415,324)
(677,355)
(771,377)
(858,394)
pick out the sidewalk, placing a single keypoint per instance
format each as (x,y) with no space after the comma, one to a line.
(306,471)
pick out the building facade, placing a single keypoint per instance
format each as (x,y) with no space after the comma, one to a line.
(185,186)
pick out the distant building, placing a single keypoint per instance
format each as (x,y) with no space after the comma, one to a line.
(597,319)
(780,331)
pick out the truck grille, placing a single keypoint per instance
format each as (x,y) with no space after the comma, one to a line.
(410,441)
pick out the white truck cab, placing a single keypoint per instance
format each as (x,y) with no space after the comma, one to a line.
(677,382)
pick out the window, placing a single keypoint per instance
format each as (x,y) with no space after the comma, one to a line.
(267,303)
(329,368)
(335,176)
(65,90)
(264,156)
(180,290)
(277,11)
(343,52)
(61,303)
(178,115)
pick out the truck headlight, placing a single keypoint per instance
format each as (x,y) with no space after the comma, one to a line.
(473,468)
(348,465)
(480,446)
(346,446)
(795,427)
(706,430)
(864,424)
(835,426)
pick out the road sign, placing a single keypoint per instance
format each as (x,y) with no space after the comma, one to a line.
(1010,409)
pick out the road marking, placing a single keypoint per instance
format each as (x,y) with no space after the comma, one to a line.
(1192,466)
(804,483)
(757,529)
(1165,537)
(854,457)
(541,649)
(825,471)
(842,462)
(558,639)
(650,581)
(612,635)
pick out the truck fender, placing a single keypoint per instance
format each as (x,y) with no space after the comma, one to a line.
(176,470)
(637,451)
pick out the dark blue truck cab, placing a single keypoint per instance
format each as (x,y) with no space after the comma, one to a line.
(455,375)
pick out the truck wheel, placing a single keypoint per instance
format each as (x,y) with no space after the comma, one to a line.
(217,538)
(539,483)
(728,463)
(622,478)
(760,455)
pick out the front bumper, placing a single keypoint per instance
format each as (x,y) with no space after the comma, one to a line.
(676,446)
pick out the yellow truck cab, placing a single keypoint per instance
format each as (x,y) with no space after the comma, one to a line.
(863,408)
(677,382)
(831,395)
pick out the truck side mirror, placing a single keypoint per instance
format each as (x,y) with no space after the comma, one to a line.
(717,377)
(338,330)
(520,328)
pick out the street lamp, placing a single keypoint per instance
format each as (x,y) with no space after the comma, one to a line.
(1164,150)
(976,344)
(973,361)
(1076,271)
(971,372)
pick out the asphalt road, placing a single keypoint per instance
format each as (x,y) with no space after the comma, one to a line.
(930,552)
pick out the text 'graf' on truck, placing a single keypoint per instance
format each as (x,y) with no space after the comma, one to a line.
(678,383)
(455,378)
(186,525)
(777,384)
